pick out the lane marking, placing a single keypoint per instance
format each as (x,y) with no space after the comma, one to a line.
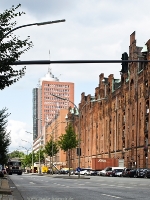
(31,183)
(111,196)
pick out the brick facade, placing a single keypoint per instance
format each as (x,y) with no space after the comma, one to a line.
(116,123)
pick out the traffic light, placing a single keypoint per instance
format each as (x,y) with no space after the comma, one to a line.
(78,151)
(146,154)
(124,64)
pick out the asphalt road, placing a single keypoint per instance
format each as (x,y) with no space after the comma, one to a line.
(34,187)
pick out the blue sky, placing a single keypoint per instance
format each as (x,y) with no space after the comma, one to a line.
(94,29)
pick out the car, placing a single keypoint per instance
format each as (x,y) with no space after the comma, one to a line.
(63,171)
(138,173)
(93,173)
(132,173)
(141,172)
(147,175)
(117,172)
(126,172)
(108,173)
(85,172)
(105,171)
(1,171)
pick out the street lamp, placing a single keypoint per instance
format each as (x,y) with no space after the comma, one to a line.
(32,153)
(37,24)
(44,143)
(79,126)
(52,143)
(25,148)
(52,131)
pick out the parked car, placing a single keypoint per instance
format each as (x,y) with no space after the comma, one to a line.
(126,172)
(147,175)
(132,173)
(137,173)
(108,170)
(108,173)
(64,171)
(85,172)
(93,173)
(1,171)
(104,171)
(141,172)
(117,172)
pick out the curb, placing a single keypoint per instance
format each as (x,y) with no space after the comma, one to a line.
(5,191)
(4,187)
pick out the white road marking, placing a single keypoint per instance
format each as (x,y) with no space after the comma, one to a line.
(31,182)
(111,196)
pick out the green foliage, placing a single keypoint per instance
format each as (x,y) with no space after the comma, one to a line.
(51,148)
(40,154)
(27,162)
(11,47)
(4,136)
(16,154)
(68,140)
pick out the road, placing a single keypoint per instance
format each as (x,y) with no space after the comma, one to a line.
(34,187)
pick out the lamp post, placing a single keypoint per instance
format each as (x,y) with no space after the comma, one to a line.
(32,153)
(78,129)
(33,24)
(52,131)
(79,125)
(25,148)
(52,143)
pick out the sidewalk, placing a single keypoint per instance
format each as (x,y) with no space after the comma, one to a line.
(5,191)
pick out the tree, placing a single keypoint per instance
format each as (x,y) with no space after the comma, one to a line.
(28,159)
(16,154)
(51,149)
(68,141)
(11,48)
(4,136)
(41,153)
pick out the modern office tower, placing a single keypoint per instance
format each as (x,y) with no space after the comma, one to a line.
(46,106)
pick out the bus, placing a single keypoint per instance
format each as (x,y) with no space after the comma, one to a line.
(14,167)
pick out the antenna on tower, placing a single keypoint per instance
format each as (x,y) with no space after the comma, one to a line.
(49,54)
(49,68)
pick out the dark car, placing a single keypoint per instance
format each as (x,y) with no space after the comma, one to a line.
(138,173)
(147,175)
(62,171)
(108,173)
(132,173)
(117,172)
(141,173)
(126,172)
(1,171)
(93,173)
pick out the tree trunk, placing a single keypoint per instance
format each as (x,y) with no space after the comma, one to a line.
(69,160)
(49,164)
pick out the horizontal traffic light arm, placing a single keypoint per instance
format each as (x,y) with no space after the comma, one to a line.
(45,62)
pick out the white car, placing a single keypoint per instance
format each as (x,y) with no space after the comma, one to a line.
(85,172)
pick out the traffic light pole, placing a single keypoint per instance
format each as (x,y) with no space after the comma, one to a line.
(45,62)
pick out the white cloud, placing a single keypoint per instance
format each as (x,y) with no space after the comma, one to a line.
(18,133)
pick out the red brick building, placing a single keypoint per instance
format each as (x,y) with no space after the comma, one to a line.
(116,123)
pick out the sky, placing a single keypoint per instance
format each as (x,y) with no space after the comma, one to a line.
(93,30)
